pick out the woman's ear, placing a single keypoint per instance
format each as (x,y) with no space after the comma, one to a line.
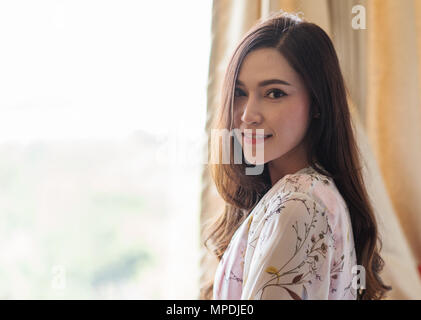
(316,111)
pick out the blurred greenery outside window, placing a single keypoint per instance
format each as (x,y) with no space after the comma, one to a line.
(95,96)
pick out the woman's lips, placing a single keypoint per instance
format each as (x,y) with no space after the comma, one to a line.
(255,139)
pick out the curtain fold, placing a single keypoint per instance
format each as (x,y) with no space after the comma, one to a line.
(393,107)
(382,68)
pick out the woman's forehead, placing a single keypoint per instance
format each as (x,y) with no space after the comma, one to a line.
(264,64)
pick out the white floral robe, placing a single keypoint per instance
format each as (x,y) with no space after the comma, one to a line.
(297,243)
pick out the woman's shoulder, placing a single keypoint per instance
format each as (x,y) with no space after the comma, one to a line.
(315,186)
(304,181)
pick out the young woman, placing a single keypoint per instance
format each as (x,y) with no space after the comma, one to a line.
(304,228)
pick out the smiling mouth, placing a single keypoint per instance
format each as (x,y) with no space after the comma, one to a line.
(253,138)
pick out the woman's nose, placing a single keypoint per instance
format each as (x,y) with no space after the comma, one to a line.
(251,115)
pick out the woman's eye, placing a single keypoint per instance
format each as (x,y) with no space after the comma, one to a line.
(276,93)
(238,92)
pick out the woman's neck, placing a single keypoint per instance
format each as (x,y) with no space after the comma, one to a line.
(289,163)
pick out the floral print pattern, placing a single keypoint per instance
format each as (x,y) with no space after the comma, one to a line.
(297,243)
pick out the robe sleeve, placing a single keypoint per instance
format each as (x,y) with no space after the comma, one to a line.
(293,252)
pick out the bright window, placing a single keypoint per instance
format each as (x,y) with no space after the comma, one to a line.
(99,103)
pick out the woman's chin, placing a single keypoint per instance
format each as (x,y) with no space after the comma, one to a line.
(255,161)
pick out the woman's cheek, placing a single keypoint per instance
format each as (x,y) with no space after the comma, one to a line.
(290,126)
(237,117)
(299,113)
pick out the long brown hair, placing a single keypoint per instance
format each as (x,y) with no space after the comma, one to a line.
(331,142)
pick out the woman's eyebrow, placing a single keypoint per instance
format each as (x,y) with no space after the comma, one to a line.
(267,82)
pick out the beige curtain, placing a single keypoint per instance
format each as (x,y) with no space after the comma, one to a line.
(382,69)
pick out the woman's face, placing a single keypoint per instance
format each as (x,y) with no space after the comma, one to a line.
(270,95)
